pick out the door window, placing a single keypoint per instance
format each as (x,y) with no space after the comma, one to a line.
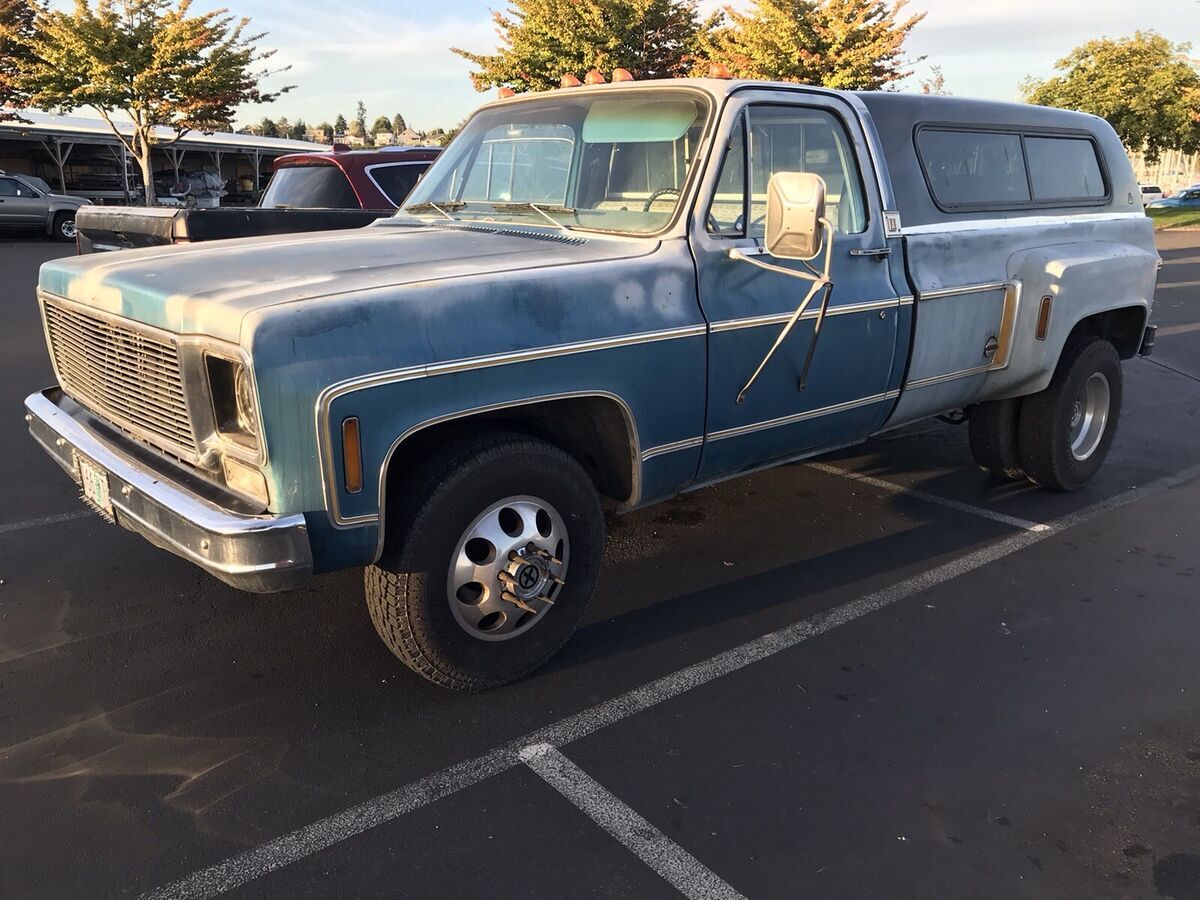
(396,181)
(10,187)
(787,139)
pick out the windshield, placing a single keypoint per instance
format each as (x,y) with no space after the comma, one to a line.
(608,161)
(310,187)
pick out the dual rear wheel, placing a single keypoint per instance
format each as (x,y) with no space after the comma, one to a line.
(1057,438)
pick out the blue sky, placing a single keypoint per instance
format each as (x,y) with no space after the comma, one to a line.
(395,56)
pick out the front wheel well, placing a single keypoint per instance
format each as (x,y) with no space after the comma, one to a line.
(596,429)
(1120,327)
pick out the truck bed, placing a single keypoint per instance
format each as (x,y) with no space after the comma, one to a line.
(103,228)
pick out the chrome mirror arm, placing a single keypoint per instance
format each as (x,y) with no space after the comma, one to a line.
(820,282)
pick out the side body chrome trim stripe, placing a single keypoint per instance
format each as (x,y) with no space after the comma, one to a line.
(661,449)
(780,318)
(801,416)
(962,289)
(948,376)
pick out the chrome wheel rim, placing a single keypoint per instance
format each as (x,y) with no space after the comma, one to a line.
(508,568)
(1089,416)
(68,228)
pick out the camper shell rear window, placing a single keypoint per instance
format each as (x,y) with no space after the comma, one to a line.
(968,167)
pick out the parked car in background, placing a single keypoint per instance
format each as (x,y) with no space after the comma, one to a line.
(319,191)
(1150,193)
(28,202)
(618,291)
(1188,198)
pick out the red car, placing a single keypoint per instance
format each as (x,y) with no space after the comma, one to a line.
(347,179)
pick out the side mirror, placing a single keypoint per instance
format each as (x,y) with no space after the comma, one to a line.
(795,208)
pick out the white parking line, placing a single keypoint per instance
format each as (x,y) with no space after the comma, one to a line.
(671,862)
(45,520)
(309,839)
(929,498)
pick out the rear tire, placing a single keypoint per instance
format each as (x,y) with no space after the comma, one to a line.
(1067,429)
(993,428)
(64,227)
(487,503)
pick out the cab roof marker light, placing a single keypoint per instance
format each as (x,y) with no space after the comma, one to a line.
(622,75)
(719,70)
(505,92)
(569,80)
(595,76)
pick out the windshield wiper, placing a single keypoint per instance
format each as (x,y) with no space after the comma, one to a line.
(429,205)
(543,211)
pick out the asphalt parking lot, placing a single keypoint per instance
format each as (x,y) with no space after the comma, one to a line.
(882,675)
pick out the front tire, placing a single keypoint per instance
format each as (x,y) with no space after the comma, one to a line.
(64,227)
(490,562)
(1067,429)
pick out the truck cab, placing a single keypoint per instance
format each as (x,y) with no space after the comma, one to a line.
(595,299)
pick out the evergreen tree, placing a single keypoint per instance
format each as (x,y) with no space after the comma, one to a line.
(267,128)
(339,125)
(541,40)
(299,131)
(844,44)
(398,123)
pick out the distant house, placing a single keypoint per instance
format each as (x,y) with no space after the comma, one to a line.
(384,138)
(408,136)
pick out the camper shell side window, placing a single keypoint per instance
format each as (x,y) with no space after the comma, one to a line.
(979,167)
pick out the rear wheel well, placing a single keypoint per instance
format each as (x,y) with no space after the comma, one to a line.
(597,430)
(1120,327)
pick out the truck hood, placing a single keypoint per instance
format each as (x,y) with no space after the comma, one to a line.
(209,288)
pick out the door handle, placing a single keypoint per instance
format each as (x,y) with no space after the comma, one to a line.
(875,251)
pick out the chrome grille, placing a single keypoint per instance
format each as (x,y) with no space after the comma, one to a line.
(128,376)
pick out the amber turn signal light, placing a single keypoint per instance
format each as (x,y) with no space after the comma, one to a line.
(1043,325)
(352,455)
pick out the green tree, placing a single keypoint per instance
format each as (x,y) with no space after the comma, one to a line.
(844,44)
(398,123)
(541,40)
(268,128)
(339,125)
(298,131)
(1145,86)
(381,123)
(16,33)
(150,60)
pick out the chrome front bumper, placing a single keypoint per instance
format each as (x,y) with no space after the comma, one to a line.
(251,552)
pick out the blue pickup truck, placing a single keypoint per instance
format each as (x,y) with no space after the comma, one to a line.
(597,298)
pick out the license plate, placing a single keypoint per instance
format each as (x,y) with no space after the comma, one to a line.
(94,481)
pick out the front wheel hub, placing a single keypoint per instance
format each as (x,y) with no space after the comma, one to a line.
(508,568)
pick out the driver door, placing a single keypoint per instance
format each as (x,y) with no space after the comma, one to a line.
(853,376)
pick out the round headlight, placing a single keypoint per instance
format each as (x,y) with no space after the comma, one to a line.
(244,392)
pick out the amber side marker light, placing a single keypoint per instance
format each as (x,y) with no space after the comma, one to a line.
(1043,325)
(352,455)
